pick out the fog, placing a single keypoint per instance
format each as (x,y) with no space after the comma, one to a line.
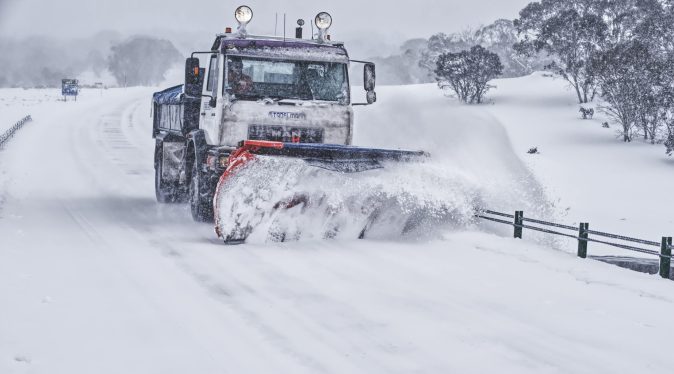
(352,19)
(370,29)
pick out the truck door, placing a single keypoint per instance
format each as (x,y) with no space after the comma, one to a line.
(210,114)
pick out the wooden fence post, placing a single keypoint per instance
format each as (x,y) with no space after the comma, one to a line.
(519,215)
(665,256)
(582,244)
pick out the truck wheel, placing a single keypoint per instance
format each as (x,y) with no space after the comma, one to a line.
(201,199)
(164,190)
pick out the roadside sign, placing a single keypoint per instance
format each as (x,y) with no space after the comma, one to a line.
(69,87)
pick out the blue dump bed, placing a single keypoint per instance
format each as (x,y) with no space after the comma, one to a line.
(169,96)
(175,112)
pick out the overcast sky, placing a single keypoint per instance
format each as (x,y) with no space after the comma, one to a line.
(352,18)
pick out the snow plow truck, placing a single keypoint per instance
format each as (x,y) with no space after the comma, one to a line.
(258,96)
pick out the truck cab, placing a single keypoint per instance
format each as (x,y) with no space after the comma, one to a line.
(250,88)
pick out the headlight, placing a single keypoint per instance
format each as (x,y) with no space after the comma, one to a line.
(323,20)
(243,14)
(223,162)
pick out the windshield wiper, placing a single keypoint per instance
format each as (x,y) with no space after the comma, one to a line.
(293,99)
(248,97)
(308,100)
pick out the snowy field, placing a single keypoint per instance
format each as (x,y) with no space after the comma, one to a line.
(588,172)
(95,276)
(16,103)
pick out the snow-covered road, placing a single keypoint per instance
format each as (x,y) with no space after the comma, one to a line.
(96,277)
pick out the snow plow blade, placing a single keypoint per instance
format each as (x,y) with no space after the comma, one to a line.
(341,158)
(230,223)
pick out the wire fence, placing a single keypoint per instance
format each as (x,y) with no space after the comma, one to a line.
(4,138)
(582,233)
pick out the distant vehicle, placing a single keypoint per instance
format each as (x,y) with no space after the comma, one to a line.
(258,95)
(70,87)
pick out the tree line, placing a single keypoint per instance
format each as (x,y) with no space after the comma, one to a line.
(40,62)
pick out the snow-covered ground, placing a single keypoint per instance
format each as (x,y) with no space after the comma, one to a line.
(95,276)
(16,103)
(590,174)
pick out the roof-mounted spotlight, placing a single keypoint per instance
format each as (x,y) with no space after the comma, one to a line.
(323,21)
(243,15)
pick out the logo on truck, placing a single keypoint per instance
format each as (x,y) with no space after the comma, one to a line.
(287,115)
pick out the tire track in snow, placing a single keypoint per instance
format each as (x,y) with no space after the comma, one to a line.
(281,314)
(327,315)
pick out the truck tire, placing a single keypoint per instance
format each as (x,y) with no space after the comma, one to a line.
(200,196)
(164,191)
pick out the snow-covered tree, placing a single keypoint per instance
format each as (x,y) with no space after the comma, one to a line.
(468,73)
(500,38)
(569,32)
(629,81)
(657,30)
(142,60)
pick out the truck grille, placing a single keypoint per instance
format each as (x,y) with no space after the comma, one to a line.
(286,134)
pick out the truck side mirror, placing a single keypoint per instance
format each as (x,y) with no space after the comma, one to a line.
(369,77)
(193,80)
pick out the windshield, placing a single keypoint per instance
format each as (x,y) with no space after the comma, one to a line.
(253,79)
